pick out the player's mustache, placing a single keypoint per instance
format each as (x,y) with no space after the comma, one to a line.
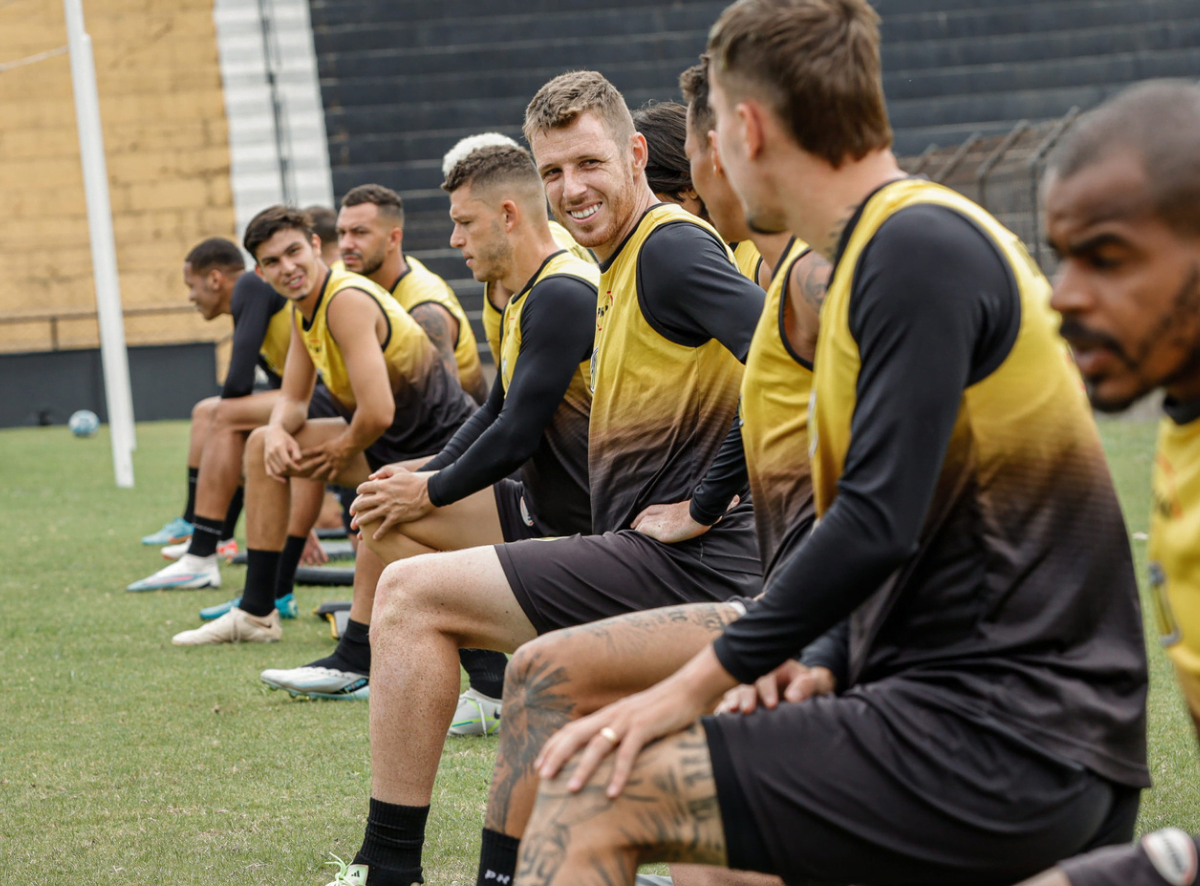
(1079,335)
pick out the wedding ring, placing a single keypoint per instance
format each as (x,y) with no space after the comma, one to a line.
(608,733)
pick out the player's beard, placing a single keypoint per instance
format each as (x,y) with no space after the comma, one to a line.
(372,263)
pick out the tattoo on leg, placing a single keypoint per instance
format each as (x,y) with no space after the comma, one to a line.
(667,812)
(534,709)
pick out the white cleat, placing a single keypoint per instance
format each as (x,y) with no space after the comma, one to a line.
(227,549)
(186,573)
(476,714)
(315,682)
(235,626)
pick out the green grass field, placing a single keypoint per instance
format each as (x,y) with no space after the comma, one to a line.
(126,760)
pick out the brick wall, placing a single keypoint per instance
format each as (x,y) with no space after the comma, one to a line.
(165,135)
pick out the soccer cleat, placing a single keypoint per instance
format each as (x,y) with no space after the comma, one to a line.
(227,549)
(235,626)
(476,714)
(348,874)
(316,682)
(172,533)
(285,606)
(186,573)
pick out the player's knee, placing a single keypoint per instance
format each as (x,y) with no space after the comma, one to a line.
(533,660)
(205,409)
(402,598)
(255,447)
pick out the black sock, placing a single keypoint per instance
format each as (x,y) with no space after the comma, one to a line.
(205,537)
(345,497)
(289,561)
(497,859)
(232,514)
(392,844)
(486,670)
(189,513)
(258,597)
(353,652)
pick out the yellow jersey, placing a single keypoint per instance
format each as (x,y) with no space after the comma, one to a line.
(748,259)
(1174,550)
(660,409)
(492,314)
(419,285)
(775,392)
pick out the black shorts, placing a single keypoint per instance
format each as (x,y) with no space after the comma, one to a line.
(561,582)
(881,785)
(386,450)
(1163,858)
(517,522)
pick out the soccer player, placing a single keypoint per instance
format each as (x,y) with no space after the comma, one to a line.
(214,272)
(757,253)
(535,421)
(1122,204)
(775,391)
(395,397)
(990,707)
(674,317)
(495,296)
(370,229)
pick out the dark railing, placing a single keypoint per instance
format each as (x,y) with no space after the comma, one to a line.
(53,319)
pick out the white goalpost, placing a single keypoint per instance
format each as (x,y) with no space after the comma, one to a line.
(113,354)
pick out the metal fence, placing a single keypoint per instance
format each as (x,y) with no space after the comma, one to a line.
(1002,174)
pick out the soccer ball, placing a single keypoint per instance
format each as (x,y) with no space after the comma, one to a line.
(84,423)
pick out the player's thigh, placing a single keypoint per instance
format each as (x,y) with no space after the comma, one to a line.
(668,811)
(467,523)
(245,413)
(609,659)
(462,594)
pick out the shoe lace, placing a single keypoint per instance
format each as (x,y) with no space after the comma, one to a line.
(343,868)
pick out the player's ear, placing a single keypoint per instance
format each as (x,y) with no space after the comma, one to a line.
(752,120)
(639,152)
(396,236)
(718,168)
(316,244)
(258,270)
(511,215)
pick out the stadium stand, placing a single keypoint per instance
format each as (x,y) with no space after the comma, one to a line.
(401,80)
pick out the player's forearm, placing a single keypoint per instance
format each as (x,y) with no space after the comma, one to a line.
(727,476)
(288,414)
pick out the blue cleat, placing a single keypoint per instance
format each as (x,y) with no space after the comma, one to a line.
(172,533)
(286,605)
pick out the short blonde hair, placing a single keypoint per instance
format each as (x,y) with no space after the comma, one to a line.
(563,99)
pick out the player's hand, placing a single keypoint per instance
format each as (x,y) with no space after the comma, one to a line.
(325,461)
(670,523)
(313,554)
(791,681)
(281,454)
(634,722)
(400,496)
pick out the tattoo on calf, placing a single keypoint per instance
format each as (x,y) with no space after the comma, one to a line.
(667,812)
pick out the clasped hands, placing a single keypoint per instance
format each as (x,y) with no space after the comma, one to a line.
(392,495)
(625,727)
(283,457)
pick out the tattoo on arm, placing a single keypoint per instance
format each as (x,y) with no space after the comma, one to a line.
(812,277)
(437,323)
